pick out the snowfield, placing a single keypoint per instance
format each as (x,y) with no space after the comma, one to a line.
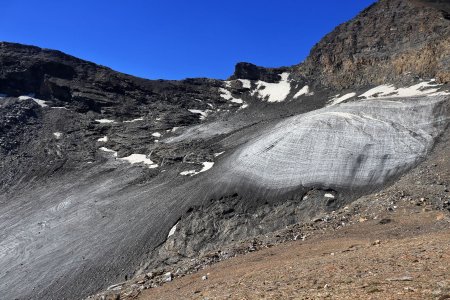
(273,92)
(425,88)
(138,159)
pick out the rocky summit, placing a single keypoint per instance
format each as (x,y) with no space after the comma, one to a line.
(109,180)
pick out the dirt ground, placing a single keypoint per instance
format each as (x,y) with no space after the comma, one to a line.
(405,256)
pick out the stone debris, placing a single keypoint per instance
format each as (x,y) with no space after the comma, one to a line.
(401,278)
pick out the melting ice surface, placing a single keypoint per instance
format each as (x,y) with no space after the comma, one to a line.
(340,145)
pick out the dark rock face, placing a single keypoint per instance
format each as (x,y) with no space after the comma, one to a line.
(391,41)
(71,82)
(244,70)
(15,119)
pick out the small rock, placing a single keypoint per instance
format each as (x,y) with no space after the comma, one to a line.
(401,278)
(377,242)
(205,277)
(111,297)
(384,221)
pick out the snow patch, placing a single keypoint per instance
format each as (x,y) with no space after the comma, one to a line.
(245,83)
(57,135)
(190,172)
(104,149)
(156,134)
(273,92)
(172,230)
(40,102)
(304,91)
(328,195)
(218,153)
(338,99)
(134,120)
(425,88)
(206,166)
(381,90)
(236,100)
(226,94)
(105,121)
(203,114)
(139,158)
(103,139)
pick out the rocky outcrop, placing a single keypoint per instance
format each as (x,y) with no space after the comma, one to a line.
(390,41)
(75,83)
(245,70)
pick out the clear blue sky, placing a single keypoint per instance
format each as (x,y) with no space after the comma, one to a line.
(175,39)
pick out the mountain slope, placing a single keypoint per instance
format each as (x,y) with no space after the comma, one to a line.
(105,175)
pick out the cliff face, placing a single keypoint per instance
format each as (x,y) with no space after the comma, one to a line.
(391,41)
(394,41)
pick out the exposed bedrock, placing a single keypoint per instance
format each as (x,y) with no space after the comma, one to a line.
(390,41)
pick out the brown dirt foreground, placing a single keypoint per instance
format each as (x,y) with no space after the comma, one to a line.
(407,258)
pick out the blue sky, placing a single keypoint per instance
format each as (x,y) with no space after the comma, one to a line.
(179,38)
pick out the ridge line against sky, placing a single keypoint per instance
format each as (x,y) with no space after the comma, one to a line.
(176,39)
